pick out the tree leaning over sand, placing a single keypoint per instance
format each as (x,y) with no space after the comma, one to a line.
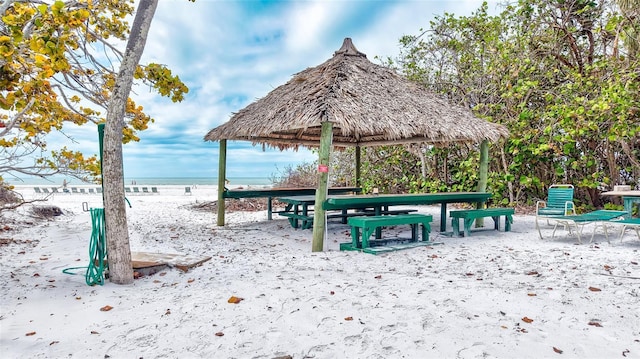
(57,68)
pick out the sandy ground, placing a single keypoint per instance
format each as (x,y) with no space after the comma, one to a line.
(492,295)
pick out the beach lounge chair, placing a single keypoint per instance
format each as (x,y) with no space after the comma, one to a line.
(599,218)
(74,190)
(145,190)
(82,191)
(99,190)
(154,190)
(187,190)
(136,190)
(54,190)
(37,189)
(633,223)
(44,190)
(91,191)
(559,203)
(127,190)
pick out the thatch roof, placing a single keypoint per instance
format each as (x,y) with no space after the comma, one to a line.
(368,104)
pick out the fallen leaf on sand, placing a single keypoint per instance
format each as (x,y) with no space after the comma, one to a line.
(595,324)
(532,294)
(106,308)
(54,342)
(378,276)
(30,334)
(94,332)
(533,273)
(191,280)
(348,318)
(332,292)
(219,334)
(594,289)
(235,300)
(559,351)
(527,320)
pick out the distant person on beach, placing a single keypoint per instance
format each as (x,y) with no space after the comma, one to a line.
(64,186)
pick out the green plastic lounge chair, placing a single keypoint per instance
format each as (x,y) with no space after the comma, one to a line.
(145,190)
(74,190)
(600,218)
(44,190)
(559,203)
(136,190)
(54,190)
(633,223)
(154,189)
(127,190)
(187,190)
(37,189)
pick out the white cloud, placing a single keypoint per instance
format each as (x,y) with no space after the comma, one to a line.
(230,53)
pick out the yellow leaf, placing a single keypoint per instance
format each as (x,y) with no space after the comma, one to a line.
(235,300)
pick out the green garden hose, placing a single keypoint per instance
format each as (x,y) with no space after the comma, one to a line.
(97,250)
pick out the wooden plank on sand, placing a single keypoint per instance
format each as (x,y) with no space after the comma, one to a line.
(181,261)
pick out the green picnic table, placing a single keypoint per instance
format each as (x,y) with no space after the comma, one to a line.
(271,193)
(384,200)
(380,203)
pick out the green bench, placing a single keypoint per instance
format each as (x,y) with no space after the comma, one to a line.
(470,215)
(363,227)
(305,221)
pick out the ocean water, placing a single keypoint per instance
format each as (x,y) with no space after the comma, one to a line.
(142,181)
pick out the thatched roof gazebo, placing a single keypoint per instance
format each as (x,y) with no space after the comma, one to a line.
(348,101)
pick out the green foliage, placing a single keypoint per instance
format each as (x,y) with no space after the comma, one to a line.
(557,75)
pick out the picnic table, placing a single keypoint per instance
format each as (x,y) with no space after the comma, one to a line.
(629,198)
(278,192)
(381,203)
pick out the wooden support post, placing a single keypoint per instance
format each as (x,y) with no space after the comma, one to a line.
(358,164)
(483,176)
(324,156)
(222,176)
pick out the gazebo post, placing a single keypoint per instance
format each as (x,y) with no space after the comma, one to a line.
(358,163)
(483,176)
(222,175)
(324,155)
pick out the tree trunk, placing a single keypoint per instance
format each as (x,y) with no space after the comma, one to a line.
(118,250)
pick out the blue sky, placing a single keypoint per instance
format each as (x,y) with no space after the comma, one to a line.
(231,53)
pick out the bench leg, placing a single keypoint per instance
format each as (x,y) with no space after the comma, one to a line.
(467,226)
(508,219)
(426,228)
(355,234)
(455,224)
(496,222)
(414,232)
(366,234)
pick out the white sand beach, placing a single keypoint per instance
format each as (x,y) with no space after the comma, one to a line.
(492,295)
